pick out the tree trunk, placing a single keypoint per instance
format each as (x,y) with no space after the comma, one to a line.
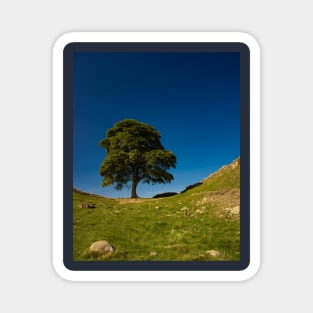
(134,186)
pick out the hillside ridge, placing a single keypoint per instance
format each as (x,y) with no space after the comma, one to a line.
(220,171)
(189,226)
(233,165)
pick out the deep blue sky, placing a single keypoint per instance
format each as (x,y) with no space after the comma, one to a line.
(192,99)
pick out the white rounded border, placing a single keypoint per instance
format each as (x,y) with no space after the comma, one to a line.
(58,48)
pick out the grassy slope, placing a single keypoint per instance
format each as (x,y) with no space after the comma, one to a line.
(137,227)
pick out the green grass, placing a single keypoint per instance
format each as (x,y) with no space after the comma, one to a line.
(137,227)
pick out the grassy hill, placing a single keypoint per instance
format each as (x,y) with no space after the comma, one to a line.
(187,226)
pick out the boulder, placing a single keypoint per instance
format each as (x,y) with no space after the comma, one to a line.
(213,253)
(101,247)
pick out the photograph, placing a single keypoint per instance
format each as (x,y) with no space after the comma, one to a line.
(156,150)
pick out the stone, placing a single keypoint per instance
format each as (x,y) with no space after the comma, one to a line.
(86,206)
(101,247)
(235,164)
(199,211)
(186,211)
(234,210)
(213,253)
(153,253)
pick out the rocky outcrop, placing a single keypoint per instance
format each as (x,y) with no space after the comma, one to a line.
(233,165)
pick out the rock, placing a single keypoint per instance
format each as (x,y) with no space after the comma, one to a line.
(86,206)
(199,211)
(203,201)
(186,211)
(235,163)
(153,253)
(234,210)
(213,253)
(101,247)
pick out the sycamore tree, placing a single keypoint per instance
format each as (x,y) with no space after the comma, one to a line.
(134,153)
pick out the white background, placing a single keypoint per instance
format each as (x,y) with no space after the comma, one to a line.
(28,31)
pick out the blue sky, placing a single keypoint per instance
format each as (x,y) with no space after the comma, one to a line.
(192,99)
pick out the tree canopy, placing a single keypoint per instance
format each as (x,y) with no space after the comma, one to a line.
(134,154)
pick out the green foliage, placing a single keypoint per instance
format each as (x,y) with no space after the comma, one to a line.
(135,153)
